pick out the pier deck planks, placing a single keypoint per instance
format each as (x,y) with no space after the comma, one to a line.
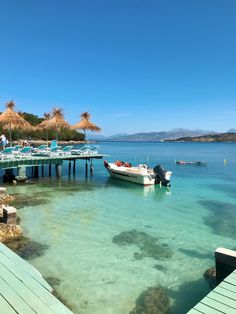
(8,163)
(22,288)
(220,300)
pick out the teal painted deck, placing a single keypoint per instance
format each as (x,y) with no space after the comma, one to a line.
(22,288)
(220,300)
(8,163)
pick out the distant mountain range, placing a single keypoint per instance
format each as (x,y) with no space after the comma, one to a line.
(232,131)
(220,137)
(152,136)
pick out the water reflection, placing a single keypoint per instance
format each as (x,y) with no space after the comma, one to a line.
(156,191)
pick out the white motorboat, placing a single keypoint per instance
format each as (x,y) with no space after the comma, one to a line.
(140,174)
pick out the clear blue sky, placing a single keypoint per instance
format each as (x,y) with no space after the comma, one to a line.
(136,65)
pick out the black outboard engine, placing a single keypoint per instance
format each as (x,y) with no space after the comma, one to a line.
(161,175)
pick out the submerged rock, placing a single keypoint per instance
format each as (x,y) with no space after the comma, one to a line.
(149,246)
(210,275)
(9,232)
(154,300)
(22,201)
(27,248)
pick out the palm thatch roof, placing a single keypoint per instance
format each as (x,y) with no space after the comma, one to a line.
(86,124)
(56,122)
(10,119)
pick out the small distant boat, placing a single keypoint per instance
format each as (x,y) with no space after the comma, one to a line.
(185,162)
(140,174)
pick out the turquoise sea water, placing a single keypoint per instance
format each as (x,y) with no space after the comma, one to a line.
(78,219)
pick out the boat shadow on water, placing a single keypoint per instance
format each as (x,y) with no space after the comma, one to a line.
(156,191)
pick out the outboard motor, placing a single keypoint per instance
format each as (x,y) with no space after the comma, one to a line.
(161,175)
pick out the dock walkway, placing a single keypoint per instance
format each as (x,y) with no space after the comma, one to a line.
(8,163)
(220,300)
(22,288)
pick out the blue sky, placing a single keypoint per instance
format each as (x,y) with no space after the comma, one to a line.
(135,65)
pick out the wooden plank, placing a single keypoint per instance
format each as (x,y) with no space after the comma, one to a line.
(231,280)
(16,258)
(194,311)
(228,286)
(219,306)
(35,287)
(225,292)
(222,299)
(24,266)
(27,295)
(5,307)
(203,308)
(232,275)
(14,299)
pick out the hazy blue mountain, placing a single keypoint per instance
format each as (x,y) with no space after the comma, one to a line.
(151,136)
(231,131)
(159,136)
(117,135)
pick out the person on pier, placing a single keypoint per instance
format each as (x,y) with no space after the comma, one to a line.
(3,141)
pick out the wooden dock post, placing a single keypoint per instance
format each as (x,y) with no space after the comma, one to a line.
(8,176)
(42,170)
(91,166)
(49,170)
(69,168)
(74,161)
(86,168)
(58,170)
(225,261)
(36,171)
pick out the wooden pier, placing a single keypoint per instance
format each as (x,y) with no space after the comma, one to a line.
(22,288)
(21,163)
(222,299)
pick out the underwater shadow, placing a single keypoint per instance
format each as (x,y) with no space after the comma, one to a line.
(188,295)
(196,254)
(222,219)
(157,192)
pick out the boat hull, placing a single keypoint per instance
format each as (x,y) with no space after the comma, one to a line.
(132,177)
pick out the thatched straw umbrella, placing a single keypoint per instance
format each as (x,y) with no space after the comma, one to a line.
(56,122)
(10,119)
(85,124)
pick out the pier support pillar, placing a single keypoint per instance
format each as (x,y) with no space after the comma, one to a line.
(58,170)
(74,161)
(21,176)
(22,171)
(36,171)
(86,168)
(225,261)
(42,170)
(50,170)
(91,167)
(8,176)
(69,168)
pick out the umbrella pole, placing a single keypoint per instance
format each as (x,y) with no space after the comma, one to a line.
(10,136)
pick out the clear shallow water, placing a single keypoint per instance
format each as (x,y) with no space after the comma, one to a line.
(78,219)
